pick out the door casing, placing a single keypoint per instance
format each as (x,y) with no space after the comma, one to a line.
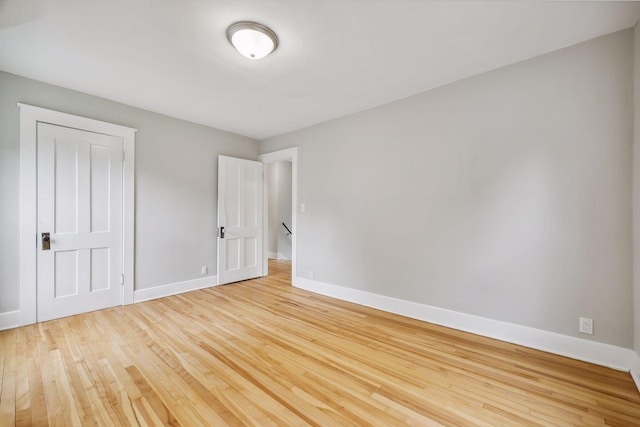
(273,157)
(30,116)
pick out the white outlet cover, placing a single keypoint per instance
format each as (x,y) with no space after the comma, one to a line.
(586,325)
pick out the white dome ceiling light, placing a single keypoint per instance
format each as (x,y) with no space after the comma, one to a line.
(253,40)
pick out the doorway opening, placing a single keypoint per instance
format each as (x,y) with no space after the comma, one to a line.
(280,213)
(278,176)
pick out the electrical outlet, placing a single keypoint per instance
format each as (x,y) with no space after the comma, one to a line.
(204,270)
(303,207)
(311,275)
(586,325)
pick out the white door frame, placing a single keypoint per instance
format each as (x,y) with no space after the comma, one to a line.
(30,116)
(273,157)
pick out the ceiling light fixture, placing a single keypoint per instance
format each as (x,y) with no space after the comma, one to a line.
(253,40)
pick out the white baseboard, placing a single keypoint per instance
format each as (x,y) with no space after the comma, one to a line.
(277,255)
(147,294)
(10,320)
(611,356)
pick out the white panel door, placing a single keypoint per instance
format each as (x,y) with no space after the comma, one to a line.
(239,219)
(80,206)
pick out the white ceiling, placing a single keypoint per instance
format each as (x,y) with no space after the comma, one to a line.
(335,57)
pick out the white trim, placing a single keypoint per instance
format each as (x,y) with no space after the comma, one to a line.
(277,255)
(576,348)
(30,116)
(278,156)
(141,295)
(128,219)
(10,320)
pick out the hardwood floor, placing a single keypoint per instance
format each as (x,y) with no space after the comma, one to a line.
(263,353)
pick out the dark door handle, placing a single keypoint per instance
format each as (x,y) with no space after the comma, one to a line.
(46,241)
(221,232)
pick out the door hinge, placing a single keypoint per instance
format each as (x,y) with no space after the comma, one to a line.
(122,279)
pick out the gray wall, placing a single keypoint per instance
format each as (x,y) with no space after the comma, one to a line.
(636,189)
(506,195)
(176,183)
(271,175)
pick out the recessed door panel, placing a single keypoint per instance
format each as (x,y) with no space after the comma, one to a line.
(100,192)
(250,252)
(66,185)
(100,269)
(66,273)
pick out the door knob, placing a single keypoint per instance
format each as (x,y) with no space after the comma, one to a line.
(46,241)
(221,232)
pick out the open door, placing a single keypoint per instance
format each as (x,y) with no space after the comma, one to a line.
(80,230)
(239,219)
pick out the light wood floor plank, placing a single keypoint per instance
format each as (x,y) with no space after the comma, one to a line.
(261,353)
(8,389)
